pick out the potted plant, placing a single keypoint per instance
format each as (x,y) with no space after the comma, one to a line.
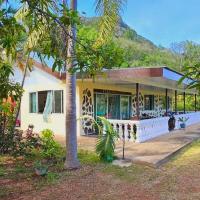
(40,168)
(183,121)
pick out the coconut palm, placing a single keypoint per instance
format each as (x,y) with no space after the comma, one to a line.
(109,13)
(71,124)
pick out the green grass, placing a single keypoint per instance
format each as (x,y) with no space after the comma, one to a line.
(19,168)
(87,157)
(2,171)
(133,173)
(140,173)
(4,191)
(189,154)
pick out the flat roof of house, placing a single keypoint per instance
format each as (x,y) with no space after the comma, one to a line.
(158,76)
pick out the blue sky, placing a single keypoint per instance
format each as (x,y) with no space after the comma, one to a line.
(161,21)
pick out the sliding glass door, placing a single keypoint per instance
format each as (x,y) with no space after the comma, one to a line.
(101,105)
(124,107)
(112,106)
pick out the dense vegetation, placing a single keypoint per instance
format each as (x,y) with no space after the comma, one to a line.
(138,50)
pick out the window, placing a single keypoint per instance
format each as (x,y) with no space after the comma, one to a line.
(46,101)
(42,97)
(148,102)
(58,101)
(33,103)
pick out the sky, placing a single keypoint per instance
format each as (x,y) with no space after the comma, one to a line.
(161,21)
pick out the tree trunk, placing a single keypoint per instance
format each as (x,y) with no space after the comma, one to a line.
(71,123)
(22,85)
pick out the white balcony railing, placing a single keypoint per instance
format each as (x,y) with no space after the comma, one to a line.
(149,128)
(144,129)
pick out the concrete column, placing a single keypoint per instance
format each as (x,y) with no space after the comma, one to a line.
(184,102)
(166,100)
(137,101)
(175,101)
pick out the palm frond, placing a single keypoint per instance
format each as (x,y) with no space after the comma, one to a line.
(105,146)
(22,12)
(109,12)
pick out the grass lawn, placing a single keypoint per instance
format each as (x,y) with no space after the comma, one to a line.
(178,179)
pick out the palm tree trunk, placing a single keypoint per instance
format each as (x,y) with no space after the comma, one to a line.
(71,123)
(22,85)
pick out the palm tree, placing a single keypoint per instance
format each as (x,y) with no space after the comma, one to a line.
(110,12)
(71,124)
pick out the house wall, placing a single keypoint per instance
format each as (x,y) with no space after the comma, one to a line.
(86,100)
(39,80)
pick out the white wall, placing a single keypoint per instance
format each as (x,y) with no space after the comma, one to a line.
(39,81)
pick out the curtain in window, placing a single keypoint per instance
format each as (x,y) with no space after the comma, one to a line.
(48,106)
(33,106)
(58,107)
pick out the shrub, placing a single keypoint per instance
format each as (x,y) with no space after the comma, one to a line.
(25,145)
(50,149)
(10,94)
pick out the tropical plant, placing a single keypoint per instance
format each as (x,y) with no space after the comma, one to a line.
(109,11)
(51,32)
(9,96)
(105,146)
(183,119)
(12,39)
(191,64)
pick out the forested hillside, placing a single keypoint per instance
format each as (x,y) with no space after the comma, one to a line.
(139,50)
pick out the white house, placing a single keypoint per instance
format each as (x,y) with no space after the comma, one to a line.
(135,100)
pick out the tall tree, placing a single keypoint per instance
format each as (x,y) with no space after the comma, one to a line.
(109,11)
(71,123)
(51,31)
(191,64)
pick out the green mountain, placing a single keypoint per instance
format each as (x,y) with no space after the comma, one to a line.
(140,51)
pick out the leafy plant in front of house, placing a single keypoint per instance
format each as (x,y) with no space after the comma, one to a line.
(10,93)
(105,146)
(26,144)
(50,149)
(183,121)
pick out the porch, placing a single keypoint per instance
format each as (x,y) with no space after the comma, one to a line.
(139,102)
(154,152)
